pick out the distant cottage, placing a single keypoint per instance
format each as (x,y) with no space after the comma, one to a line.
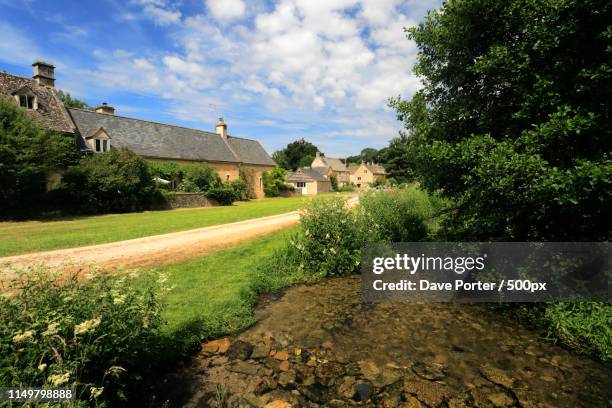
(100,130)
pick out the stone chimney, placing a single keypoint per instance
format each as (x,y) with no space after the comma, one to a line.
(317,154)
(221,128)
(44,73)
(104,108)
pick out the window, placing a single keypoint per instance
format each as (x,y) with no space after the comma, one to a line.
(300,184)
(27,101)
(358,178)
(365,171)
(227,176)
(102,145)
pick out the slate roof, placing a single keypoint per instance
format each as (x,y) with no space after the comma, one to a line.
(157,140)
(335,164)
(50,112)
(306,174)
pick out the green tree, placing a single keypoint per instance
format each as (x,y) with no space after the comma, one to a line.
(297,154)
(28,154)
(274,181)
(116,181)
(397,160)
(71,102)
(201,177)
(513,122)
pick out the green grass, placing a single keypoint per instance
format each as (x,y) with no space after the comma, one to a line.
(212,296)
(47,234)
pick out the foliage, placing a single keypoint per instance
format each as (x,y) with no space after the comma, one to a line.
(398,160)
(346,189)
(331,237)
(200,178)
(28,154)
(274,181)
(241,188)
(166,170)
(297,154)
(585,326)
(224,195)
(96,334)
(71,102)
(367,155)
(116,181)
(334,182)
(513,121)
(402,215)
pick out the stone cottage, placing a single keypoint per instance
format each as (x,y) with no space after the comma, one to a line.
(365,174)
(335,167)
(309,181)
(100,130)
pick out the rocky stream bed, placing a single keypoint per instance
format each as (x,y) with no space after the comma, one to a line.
(320,346)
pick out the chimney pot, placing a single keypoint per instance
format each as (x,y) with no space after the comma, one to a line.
(221,128)
(44,73)
(105,108)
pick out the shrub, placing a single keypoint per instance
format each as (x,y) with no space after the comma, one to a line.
(97,335)
(223,195)
(116,181)
(402,215)
(331,237)
(201,178)
(346,189)
(241,188)
(334,182)
(274,182)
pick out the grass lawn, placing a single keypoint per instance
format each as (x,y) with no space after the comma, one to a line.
(212,295)
(47,234)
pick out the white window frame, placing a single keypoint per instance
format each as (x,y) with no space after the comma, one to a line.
(30,101)
(103,147)
(300,184)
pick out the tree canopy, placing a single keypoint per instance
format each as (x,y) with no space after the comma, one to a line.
(71,102)
(28,154)
(513,122)
(297,154)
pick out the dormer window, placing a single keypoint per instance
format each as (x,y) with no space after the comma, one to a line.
(26,98)
(26,101)
(99,141)
(102,145)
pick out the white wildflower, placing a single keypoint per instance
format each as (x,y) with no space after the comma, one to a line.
(327,236)
(332,250)
(58,379)
(51,329)
(162,278)
(87,326)
(307,233)
(119,299)
(24,337)
(95,392)
(41,367)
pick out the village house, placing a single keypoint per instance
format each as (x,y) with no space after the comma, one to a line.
(309,181)
(365,174)
(100,130)
(332,167)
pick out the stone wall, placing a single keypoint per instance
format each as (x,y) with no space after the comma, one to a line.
(189,200)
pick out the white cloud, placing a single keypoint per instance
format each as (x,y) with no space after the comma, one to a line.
(162,16)
(331,64)
(226,10)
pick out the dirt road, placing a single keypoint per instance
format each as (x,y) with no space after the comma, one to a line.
(157,249)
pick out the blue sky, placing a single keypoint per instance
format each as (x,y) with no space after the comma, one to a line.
(275,70)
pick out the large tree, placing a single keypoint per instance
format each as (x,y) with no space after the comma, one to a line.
(513,122)
(28,154)
(297,154)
